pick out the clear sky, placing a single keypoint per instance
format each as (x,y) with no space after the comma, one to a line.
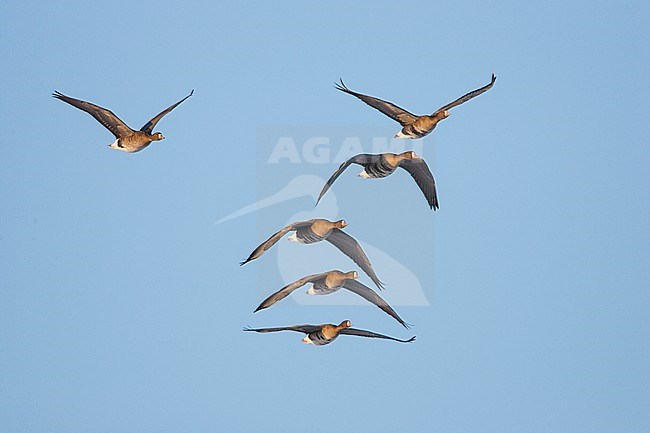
(121,299)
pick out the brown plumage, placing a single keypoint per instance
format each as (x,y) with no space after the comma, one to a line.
(330,282)
(316,230)
(414,126)
(320,335)
(385,164)
(126,139)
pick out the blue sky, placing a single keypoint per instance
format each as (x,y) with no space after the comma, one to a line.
(121,298)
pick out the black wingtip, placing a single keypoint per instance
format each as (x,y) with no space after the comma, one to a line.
(342,87)
(247,328)
(191,93)
(494,77)
(259,308)
(410,340)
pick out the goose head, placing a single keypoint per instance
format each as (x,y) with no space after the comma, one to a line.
(157,136)
(442,115)
(345,324)
(409,154)
(340,224)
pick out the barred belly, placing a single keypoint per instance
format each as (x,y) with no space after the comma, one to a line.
(320,288)
(307,236)
(414,132)
(378,169)
(319,339)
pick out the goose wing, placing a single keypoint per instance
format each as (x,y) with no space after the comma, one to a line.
(273,239)
(150,125)
(306,329)
(419,170)
(467,97)
(351,248)
(370,334)
(370,295)
(288,289)
(388,108)
(363,158)
(102,115)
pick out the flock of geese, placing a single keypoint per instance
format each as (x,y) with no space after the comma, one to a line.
(375,166)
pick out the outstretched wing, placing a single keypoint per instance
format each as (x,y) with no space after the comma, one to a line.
(288,289)
(420,172)
(370,295)
(370,334)
(307,329)
(467,97)
(363,158)
(351,248)
(273,239)
(102,115)
(150,125)
(388,108)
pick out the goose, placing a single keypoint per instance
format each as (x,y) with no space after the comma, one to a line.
(414,126)
(316,230)
(320,335)
(126,139)
(329,282)
(385,164)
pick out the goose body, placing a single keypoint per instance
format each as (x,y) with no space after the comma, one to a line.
(126,139)
(330,282)
(325,335)
(376,166)
(316,230)
(321,335)
(414,126)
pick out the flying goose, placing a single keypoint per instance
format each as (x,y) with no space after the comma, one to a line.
(384,164)
(414,126)
(320,335)
(126,139)
(316,230)
(330,282)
